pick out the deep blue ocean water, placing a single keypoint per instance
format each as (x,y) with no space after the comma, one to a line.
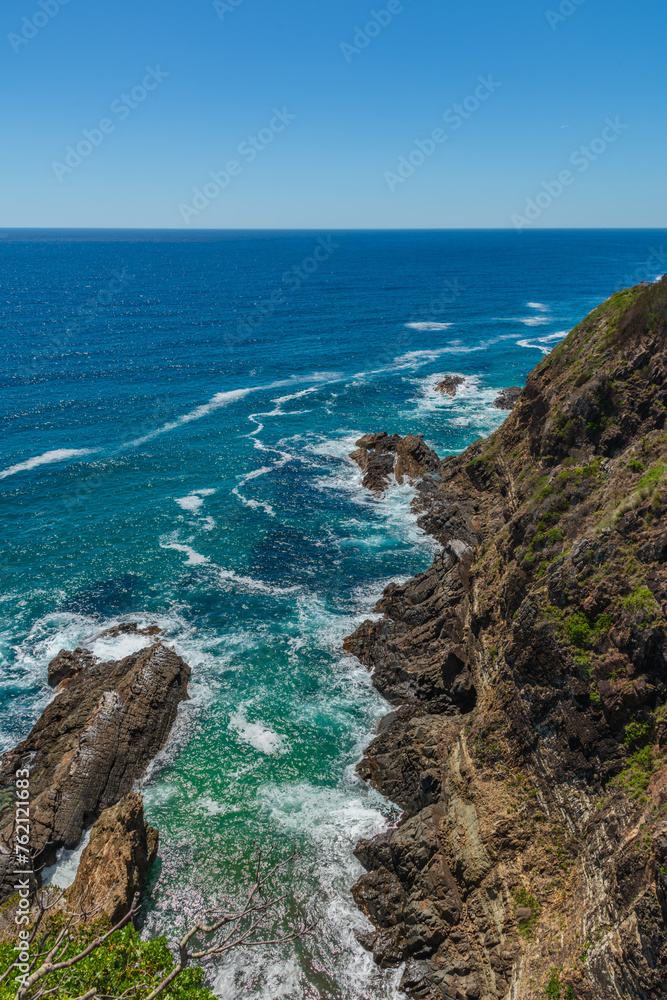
(178,409)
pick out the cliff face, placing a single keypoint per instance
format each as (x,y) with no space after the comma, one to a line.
(528,666)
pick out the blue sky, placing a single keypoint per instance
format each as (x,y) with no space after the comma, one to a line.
(220,72)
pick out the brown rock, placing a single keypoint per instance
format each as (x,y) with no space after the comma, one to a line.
(507,398)
(115,862)
(105,724)
(381,455)
(528,667)
(449,385)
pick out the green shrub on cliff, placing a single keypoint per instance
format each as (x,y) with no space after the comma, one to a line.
(636,775)
(123,966)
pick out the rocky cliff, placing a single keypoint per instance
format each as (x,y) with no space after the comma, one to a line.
(105,724)
(527,666)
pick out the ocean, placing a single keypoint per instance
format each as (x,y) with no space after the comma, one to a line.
(178,409)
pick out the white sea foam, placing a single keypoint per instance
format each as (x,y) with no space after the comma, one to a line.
(228,576)
(534,320)
(429,326)
(119,647)
(211,807)
(541,343)
(220,399)
(191,503)
(63,872)
(538,305)
(254,504)
(59,455)
(194,558)
(257,734)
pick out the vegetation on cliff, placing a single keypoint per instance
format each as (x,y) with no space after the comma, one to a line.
(530,667)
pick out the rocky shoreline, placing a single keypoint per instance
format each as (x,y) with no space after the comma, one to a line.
(108,720)
(528,670)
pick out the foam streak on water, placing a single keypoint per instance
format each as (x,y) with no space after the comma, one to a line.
(160,468)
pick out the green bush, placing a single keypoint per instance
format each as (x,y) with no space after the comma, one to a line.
(636,775)
(123,965)
(581,632)
(553,988)
(637,733)
(641,599)
(524,899)
(652,476)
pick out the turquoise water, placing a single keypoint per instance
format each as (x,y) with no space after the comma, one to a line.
(178,411)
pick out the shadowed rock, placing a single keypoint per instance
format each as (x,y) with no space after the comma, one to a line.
(528,664)
(506,398)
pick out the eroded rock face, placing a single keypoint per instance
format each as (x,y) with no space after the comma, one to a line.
(528,665)
(105,724)
(115,862)
(382,455)
(506,398)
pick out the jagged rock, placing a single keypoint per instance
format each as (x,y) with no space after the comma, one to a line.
(529,670)
(67,663)
(382,455)
(506,398)
(449,385)
(115,862)
(105,724)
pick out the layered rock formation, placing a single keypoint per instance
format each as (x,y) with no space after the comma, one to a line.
(382,456)
(105,724)
(115,862)
(528,664)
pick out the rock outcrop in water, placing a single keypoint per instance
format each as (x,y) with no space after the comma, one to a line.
(383,455)
(449,385)
(105,724)
(529,746)
(115,862)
